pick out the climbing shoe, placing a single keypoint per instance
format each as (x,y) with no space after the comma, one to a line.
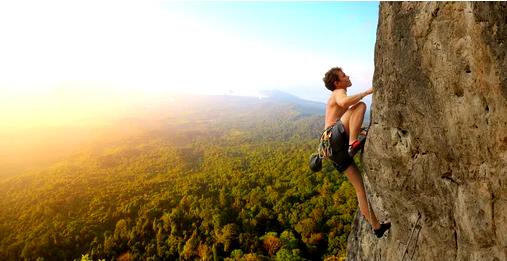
(383,228)
(357,145)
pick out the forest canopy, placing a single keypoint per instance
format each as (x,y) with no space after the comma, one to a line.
(231,183)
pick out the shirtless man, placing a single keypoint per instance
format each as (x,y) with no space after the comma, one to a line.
(344,117)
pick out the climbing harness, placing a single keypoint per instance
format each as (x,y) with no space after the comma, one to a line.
(325,150)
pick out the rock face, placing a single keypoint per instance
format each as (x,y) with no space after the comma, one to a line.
(436,155)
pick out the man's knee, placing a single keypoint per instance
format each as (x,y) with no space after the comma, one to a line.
(360,106)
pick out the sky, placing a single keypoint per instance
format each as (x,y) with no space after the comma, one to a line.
(74,60)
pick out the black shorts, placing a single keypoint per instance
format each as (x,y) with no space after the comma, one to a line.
(339,142)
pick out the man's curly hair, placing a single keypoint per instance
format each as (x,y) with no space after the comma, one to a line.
(331,77)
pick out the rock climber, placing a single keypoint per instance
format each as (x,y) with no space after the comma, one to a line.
(341,137)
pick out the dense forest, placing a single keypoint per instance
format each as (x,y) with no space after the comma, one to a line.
(209,182)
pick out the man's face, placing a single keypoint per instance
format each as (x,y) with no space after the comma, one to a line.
(344,80)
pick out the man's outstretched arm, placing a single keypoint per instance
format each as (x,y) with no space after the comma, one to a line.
(345,101)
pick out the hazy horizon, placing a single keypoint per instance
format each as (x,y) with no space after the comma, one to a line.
(84,63)
(71,69)
(23,149)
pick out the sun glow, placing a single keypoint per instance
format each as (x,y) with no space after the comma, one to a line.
(78,62)
(70,68)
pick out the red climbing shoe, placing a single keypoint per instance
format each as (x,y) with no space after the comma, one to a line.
(357,145)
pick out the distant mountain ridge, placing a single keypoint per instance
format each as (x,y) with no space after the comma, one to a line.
(181,111)
(44,146)
(311,106)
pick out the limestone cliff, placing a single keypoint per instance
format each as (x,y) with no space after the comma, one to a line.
(436,156)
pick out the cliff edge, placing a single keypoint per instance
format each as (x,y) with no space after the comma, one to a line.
(436,156)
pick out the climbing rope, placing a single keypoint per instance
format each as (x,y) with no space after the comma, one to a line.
(416,225)
(364,187)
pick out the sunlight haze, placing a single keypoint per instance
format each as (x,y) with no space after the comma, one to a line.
(77,62)
(74,71)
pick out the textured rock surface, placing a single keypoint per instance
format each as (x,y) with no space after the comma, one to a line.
(436,157)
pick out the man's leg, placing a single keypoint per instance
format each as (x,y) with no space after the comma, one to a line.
(355,178)
(353,119)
